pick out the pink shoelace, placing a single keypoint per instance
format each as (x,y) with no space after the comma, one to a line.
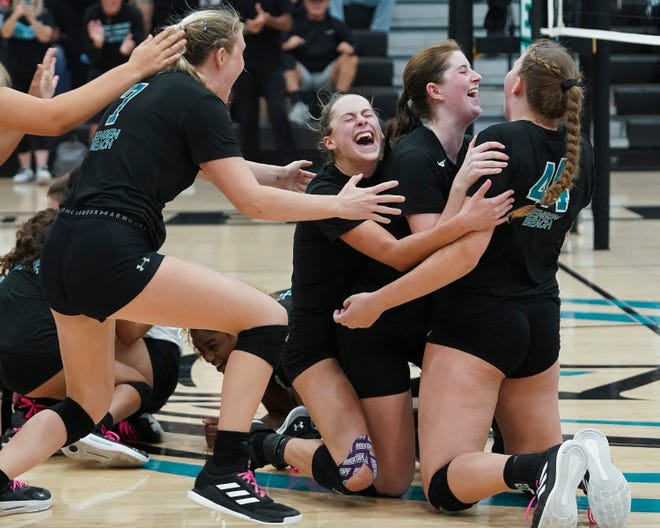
(249,477)
(531,508)
(15,484)
(590,518)
(110,435)
(127,431)
(29,407)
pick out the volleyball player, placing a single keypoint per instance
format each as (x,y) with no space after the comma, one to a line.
(21,113)
(101,261)
(494,342)
(328,255)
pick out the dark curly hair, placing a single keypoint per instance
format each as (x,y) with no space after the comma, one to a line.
(30,239)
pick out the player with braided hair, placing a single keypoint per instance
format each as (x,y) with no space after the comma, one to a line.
(493,347)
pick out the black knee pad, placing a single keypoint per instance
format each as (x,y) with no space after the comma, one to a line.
(325,472)
(76,420)
(263,341)
(441,496)
(145,392)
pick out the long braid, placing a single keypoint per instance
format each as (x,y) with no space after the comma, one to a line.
(573,127)
(554,92)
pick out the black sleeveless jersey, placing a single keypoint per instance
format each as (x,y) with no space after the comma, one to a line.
(521,260)
(148,148)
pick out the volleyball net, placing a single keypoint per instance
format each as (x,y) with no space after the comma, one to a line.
(633,22)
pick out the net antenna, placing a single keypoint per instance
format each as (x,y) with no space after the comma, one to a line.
(557,29)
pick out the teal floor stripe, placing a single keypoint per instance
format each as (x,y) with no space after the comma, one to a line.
(301,483)
(613,422)
(604,302)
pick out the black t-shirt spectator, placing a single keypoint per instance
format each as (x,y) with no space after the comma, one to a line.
(263,50)
(321,41)
(24,50)
(128,20)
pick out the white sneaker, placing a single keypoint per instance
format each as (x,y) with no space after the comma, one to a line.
(299,113)
(608,490)
(44,177)
(564,468)
(96,448)
(24,175)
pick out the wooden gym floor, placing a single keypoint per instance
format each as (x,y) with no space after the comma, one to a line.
(610,375)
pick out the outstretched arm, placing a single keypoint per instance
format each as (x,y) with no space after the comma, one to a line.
(43,85)
(292,177)
(441,268)
(53,117)
(232,176)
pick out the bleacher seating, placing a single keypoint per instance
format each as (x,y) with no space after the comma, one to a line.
(373,80)
(635,76)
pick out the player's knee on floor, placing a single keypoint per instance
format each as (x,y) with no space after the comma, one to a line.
(263,341)
(334,477)
(441,496)
(76,420)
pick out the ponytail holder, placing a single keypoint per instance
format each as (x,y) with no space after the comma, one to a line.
(568,84)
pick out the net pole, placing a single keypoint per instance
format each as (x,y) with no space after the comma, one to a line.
(600,87)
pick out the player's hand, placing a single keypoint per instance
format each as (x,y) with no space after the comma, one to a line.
(366,203)
(156,53)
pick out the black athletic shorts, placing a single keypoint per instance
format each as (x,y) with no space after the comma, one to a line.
(376,359)
(95,262)
(305,347)
(519,337)
(165,361)
(22,373)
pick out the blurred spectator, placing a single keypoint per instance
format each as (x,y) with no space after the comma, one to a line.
(28,28)
(168,11)
(370,14)
(111,30)
(324,53)
(499,20)
(265,23)
(146,7)
(69,15)
(653,11)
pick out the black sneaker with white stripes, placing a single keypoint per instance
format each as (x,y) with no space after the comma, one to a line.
(557,484)
(238,494)
(18,497)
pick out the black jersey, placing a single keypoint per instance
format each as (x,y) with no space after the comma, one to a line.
(323,264)
(27,326)
(521,260)
(148,148)
(423,170)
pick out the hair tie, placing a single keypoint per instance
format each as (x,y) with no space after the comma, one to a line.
(568,84)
